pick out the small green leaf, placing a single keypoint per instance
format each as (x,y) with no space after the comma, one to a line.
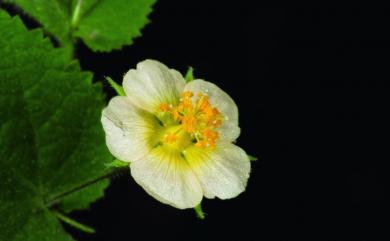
(73,223)
(189,75)
(199,212)
(103,25)
(252,158)
(119,89)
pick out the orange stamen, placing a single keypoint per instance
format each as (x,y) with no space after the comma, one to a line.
(170,138)
(164,107)
(197,117)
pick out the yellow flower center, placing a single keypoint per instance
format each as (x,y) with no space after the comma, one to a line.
(193,120)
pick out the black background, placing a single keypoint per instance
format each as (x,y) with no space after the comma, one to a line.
(312,89)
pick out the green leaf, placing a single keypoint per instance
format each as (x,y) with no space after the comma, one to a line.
(51,140)
(103,25)
(53,16)
(106,24)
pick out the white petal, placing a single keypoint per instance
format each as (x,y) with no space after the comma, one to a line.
(152,84)
(128,129)
(222,172)
(167,177)
(229,130)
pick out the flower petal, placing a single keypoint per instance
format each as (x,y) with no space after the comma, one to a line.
(166,176)
(222,172)
(128,129)
(229,130)
(152,84)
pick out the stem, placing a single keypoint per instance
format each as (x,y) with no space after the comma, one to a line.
(56,199)
(73,223)
(70,48)
(73,26)
(76,14)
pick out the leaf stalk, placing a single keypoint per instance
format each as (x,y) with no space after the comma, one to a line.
(56,199)
(76,15)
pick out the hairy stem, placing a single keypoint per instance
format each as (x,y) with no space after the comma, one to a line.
(56,199)
(74,223)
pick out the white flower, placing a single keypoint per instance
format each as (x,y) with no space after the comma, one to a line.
(177,137)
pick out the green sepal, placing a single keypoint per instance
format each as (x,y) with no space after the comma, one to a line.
(189,75)
(199,211)
(117,164)
(252,158)
(118,89)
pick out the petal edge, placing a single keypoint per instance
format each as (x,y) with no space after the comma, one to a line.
(152,84)
(167,177)
(222,172)
(127,129)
